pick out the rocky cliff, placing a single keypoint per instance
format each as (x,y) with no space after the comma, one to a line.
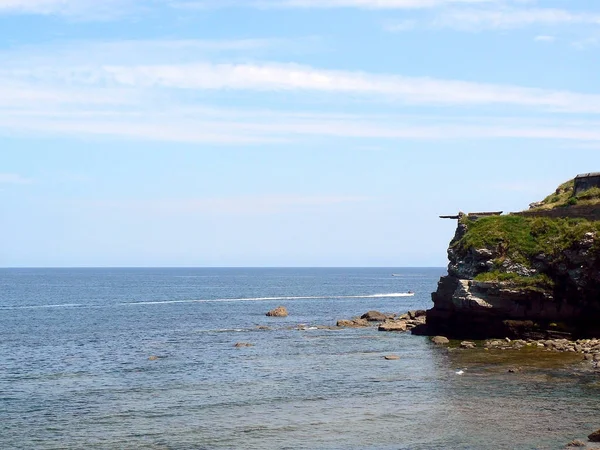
(534,274)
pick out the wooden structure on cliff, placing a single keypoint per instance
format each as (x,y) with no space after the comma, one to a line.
(472,216)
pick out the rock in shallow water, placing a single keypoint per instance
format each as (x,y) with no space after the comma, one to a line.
(355,323)
(280,311)
(595,436)
(399,325)
(374,316)
(440,340)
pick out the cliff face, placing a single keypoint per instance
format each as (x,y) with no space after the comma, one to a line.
(533,276)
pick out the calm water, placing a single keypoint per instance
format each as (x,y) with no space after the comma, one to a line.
(75,370)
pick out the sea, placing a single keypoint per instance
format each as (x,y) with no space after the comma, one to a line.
(146,359)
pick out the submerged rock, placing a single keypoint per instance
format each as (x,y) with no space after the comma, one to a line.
(243,344)
(280,311)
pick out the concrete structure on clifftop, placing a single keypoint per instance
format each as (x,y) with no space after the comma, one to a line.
(586,181)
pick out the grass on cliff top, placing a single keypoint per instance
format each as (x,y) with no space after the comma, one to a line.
(564,197)
(538,282)
(522,238)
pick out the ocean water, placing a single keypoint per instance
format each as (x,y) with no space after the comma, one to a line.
(76,370)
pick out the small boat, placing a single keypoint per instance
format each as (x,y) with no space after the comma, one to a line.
(396,275)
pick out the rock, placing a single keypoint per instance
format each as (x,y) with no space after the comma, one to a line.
(153,358)
(355,323)
(440,340)
(280,311)
(531,289)
(576,443)
(514,370)
(416,314)
(595,436)
(262,327)
(374,316)
(391,357)
(399,325)
(467,344)
(243,344)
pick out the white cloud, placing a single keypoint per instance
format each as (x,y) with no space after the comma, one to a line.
(13,178)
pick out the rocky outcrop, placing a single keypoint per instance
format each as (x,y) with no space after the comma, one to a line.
(375,316)
(280,311)
(520,277)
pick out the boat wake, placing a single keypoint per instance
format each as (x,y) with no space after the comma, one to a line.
(218,300)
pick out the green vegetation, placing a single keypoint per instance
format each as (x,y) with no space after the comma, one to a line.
(564,197)
(538,282)
(523,238)
(560,197)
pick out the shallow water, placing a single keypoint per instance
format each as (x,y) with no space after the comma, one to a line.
(75,370)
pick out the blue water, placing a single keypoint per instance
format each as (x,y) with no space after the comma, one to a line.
(76,373)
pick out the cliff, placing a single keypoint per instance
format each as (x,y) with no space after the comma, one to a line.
(534,274)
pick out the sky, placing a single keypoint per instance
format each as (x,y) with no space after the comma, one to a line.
(228,133)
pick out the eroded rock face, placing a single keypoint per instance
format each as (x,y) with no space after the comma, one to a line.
(465,308)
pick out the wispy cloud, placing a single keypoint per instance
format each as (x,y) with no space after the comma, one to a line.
(234,127)
(328,4)
(589,42)
(13,178)
(129,98)
(510,18)
(291,77)
(92,9)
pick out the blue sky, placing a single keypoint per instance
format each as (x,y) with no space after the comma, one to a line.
(283,132)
